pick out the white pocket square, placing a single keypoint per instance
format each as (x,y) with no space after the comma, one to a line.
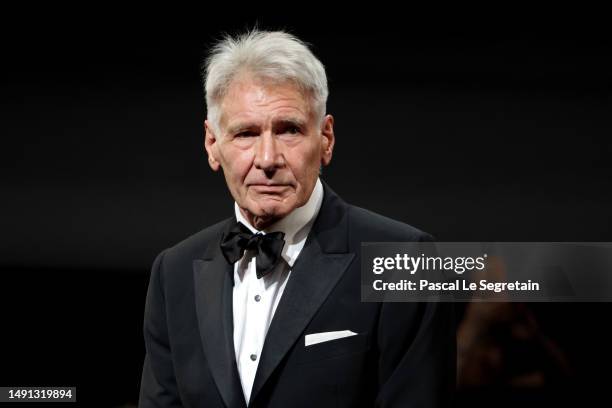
(316,338)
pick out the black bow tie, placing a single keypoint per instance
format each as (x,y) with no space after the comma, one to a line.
(267,247)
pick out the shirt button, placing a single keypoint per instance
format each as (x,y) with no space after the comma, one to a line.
(257,298)
(253,357)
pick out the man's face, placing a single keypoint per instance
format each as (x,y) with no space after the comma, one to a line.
(270,147)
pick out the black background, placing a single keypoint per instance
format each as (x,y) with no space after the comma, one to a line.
(470,131)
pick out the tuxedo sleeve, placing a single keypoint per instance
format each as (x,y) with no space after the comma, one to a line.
(417,361)
(158,383)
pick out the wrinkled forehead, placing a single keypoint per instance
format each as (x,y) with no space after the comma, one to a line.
(247,96)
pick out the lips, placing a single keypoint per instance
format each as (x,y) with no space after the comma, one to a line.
(269,188)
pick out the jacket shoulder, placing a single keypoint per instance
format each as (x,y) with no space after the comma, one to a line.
(373,227)
(175,262)
(197,245)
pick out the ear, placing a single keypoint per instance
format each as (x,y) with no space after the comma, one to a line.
(210,144)
(328,141)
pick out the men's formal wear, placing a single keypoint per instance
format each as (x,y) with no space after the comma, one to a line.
(255,299)
(322,346)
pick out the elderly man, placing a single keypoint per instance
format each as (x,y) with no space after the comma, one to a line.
(263,309)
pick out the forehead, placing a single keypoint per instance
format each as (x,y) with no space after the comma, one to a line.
(249,99)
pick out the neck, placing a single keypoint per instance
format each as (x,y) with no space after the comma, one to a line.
(260,223)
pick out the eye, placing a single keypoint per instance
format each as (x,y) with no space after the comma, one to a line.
(290,129)
(246,133)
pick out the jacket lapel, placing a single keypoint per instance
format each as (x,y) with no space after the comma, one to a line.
(213,279)
(318,268)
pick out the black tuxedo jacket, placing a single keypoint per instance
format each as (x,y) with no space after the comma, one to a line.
(402,356)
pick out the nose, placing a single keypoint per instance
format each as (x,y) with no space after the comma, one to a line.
(268,156)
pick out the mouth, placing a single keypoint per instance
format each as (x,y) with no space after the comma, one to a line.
(269,188)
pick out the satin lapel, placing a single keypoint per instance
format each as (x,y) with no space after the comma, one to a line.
(317,270)
(213,294)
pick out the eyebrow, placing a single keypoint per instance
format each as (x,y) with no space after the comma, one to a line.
(289,121)
(239,127)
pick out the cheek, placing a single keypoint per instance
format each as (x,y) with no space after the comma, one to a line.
(306,162)
(237,163)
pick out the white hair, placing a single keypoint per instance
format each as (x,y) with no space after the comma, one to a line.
(274,56)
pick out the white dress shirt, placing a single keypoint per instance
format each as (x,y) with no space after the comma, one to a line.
(255,300)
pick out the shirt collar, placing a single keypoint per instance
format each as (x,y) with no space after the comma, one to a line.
(295,226)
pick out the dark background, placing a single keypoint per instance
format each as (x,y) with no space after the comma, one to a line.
(470,132)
